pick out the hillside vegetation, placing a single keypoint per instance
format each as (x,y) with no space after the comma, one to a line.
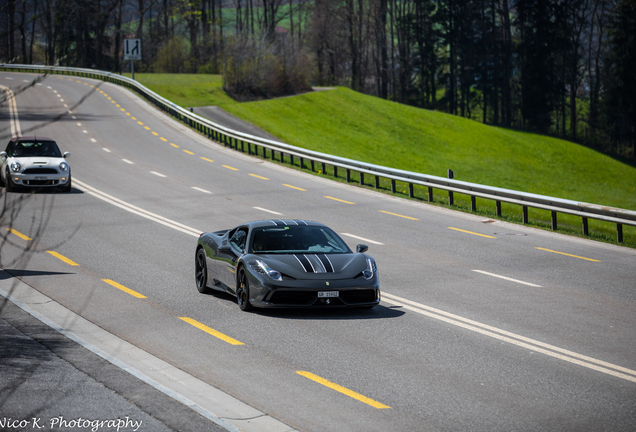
(349,124)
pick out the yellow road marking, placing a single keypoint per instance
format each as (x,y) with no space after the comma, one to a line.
(336,199)
(257,176)
(399,215)
(128,114)
(294,187)
(133,117)
(211,331)
(229,167)
(174,145)
(63,258)
(123,109)
(473,233)
(206,159)
(118,106)
(19,234)
(123,288)
(146,127)
(163,139)
(139,122)
(342,390)
(567,254)
(188,152)
(155,133)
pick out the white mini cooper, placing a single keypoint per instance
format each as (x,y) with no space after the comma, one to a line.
(34,162)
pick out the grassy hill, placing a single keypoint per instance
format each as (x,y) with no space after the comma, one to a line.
(349,124)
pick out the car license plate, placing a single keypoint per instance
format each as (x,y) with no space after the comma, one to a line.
(323,294)
(40,178)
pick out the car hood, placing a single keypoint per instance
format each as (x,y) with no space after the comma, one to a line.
(316,266)
(39,161)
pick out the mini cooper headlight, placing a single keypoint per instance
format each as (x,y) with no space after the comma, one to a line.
(370,270)
(15,166)
(63,167)
(263,268)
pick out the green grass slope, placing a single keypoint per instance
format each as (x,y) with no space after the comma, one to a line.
(349,124)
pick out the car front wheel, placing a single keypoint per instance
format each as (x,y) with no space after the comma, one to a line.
(201,271)
(243,291)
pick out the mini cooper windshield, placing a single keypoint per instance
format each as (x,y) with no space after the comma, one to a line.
(297,239)
(35,148)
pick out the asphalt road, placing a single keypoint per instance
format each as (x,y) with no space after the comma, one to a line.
(484,326)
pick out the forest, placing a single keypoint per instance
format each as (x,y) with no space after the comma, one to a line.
(559,67)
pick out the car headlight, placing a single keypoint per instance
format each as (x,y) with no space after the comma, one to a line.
(63,167)
(15,166)
(370,270)
(262,268)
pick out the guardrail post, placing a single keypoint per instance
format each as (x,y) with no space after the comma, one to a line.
(473,203)
(430,194)
(348,175)
(524,217)
(619,233)
(324,168)
(498,208)
(302,163)
(451,198)
(335,171)
(312,165)
(411,194)
(291,159)
(586,230)
(392,186)
(361,178)
(554,220)
(377,182)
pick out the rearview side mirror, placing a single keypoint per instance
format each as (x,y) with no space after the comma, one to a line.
(362,248)
(66,154)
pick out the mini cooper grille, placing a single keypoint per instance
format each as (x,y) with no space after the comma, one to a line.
(40,171)
(41,182)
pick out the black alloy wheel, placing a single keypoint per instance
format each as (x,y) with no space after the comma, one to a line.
(243,291)
(201,271)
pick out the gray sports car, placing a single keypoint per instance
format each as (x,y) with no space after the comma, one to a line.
(286,263)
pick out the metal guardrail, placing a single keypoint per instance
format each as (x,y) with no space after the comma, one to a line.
(238,140)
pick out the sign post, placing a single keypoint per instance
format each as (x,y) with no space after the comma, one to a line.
(132,52)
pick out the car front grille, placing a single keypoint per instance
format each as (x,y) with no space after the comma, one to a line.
(40,182)
(40,171)
(350,297)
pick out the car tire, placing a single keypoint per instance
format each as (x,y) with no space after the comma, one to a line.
(67,187)
(243,291)
(201,271)
(9,186)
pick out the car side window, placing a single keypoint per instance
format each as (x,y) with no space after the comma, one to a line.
(239,238)
(9,148)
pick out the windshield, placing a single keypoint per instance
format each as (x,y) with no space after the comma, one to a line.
(297,239)
(35,148)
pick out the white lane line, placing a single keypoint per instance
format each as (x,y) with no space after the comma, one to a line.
(128,162)
(362,238)
(79,124)
(508,279)
(93,140)
(201,190)
(8,78)
(85,131)
(136,210)
(14,121)
(515,339)
(268,211)
(106,150)
(158,174)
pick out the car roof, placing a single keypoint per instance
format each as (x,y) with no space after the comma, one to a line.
(31,138)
